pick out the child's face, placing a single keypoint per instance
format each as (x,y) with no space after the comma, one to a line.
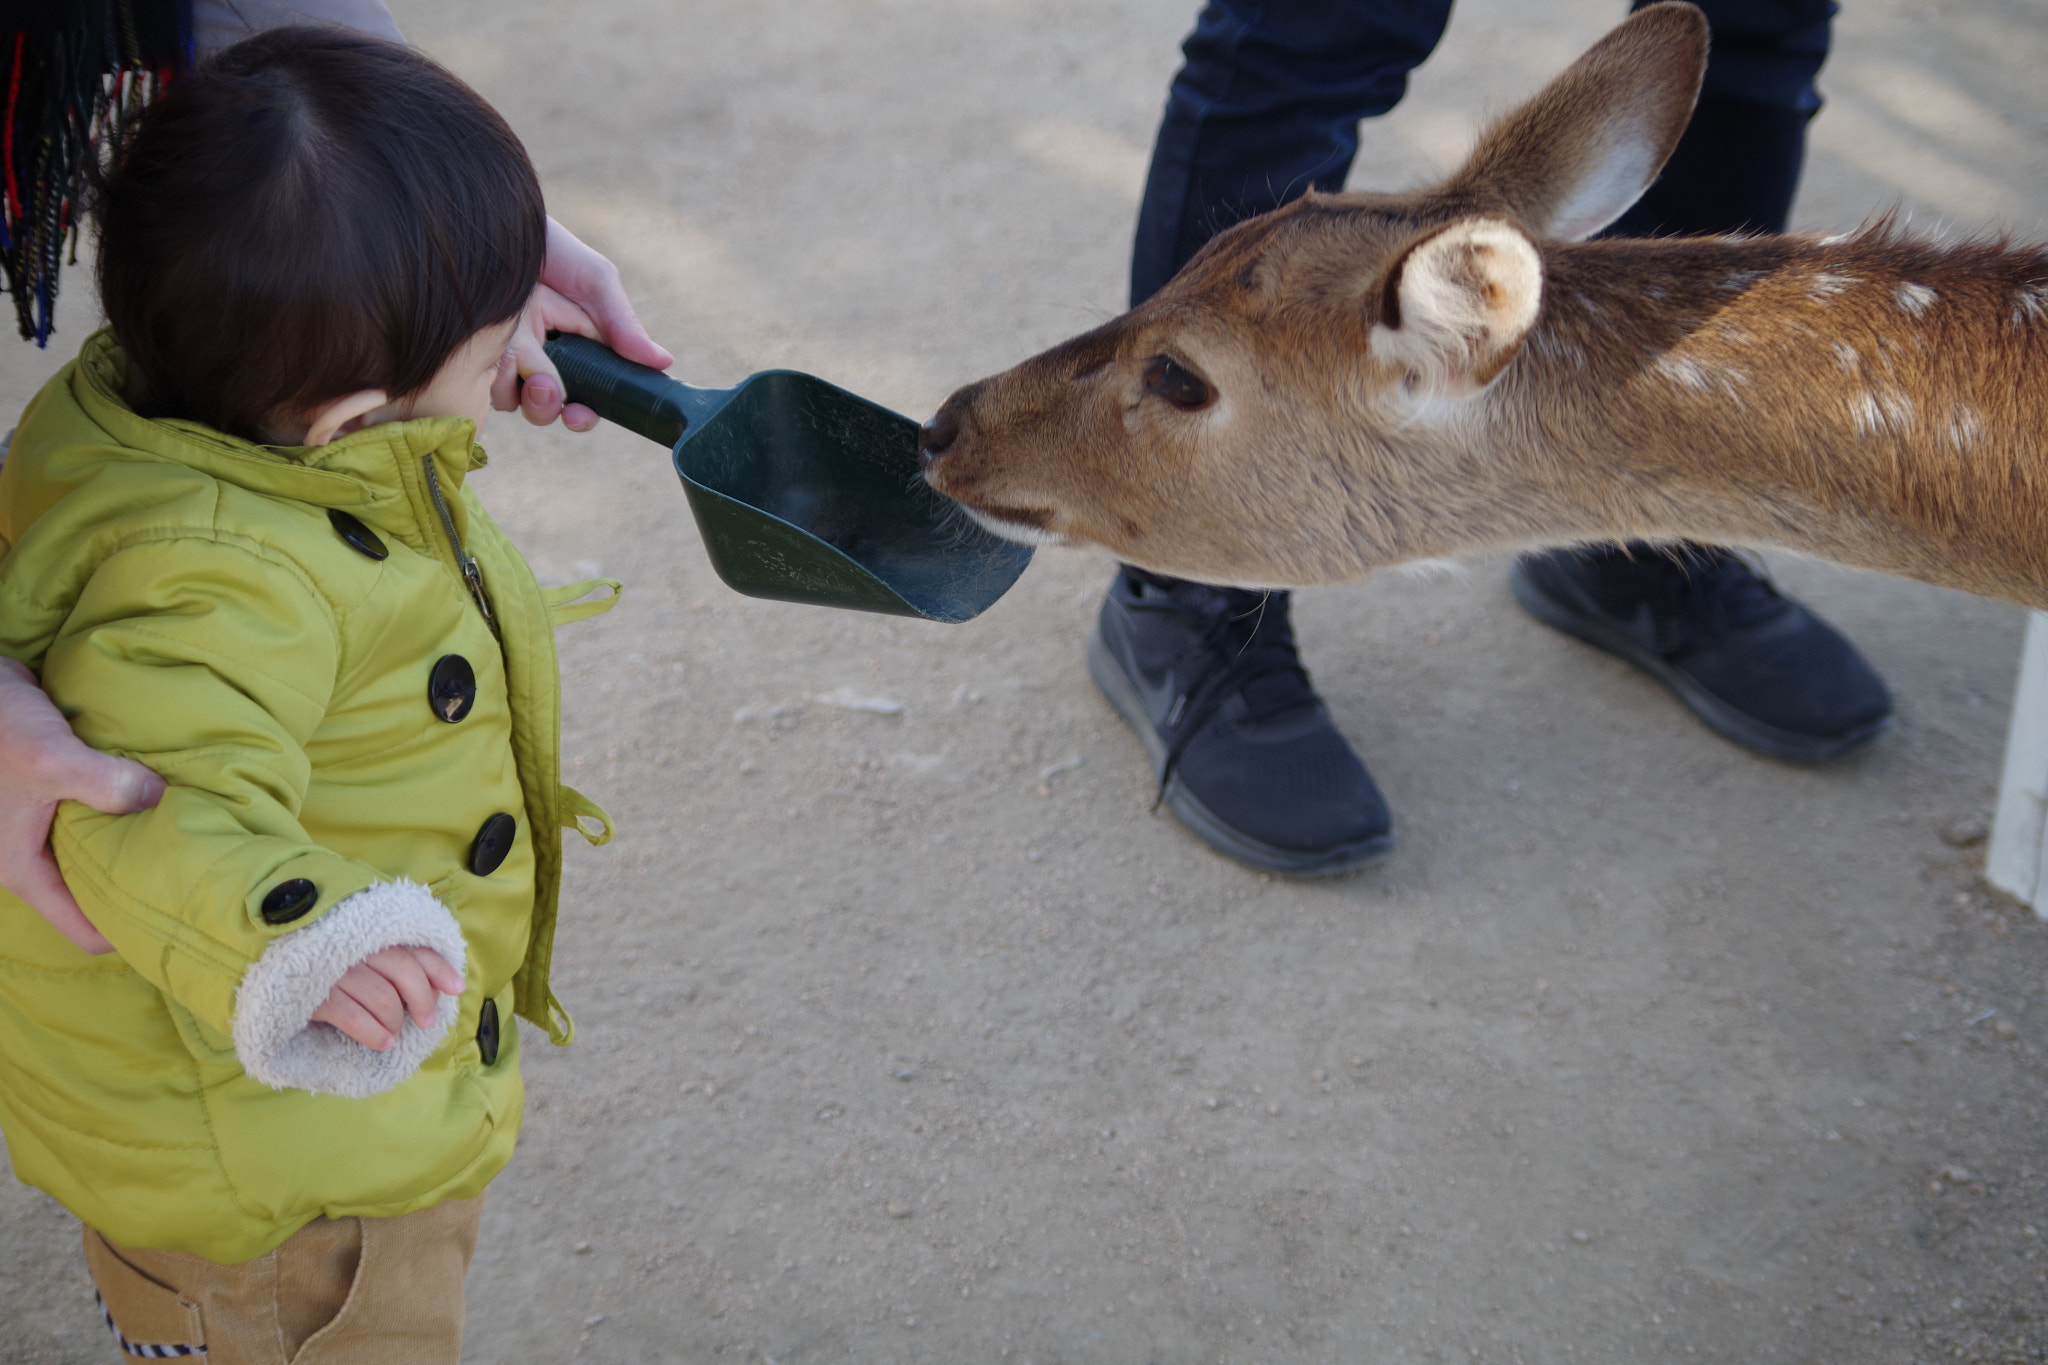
(462,386)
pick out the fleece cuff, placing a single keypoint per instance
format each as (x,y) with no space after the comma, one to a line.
(275,1036)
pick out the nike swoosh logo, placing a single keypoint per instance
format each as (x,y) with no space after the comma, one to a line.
(1641,627)
(1161,699)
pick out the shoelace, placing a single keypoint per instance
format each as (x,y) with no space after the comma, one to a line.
(1694,585)
(1258,648)
(1740,590)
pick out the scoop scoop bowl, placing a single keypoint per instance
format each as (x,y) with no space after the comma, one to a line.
(803,492)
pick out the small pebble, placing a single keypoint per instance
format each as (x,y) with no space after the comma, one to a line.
(2004,1029)
(1965,833)
(906,1074)
(580,1248)
(896,1210)
(1582,1237)
(849,699)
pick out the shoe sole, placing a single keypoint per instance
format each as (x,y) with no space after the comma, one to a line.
(1717,715)
(1200,820)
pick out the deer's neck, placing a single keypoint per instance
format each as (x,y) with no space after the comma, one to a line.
(1872,400)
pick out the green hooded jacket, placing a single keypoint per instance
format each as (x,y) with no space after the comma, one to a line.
(357,756)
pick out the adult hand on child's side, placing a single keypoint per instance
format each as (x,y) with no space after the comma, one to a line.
(579,292)
(371,1000)
(44,763)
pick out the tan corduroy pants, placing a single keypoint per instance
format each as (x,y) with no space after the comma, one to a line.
(339,1291)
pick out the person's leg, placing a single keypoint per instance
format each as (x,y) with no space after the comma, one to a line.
(1737,167)
(1265,107)
(341,1291)
(1756,667)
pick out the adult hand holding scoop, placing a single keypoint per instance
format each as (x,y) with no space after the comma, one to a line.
(803,491)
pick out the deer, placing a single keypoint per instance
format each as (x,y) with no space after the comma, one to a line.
(1357,380)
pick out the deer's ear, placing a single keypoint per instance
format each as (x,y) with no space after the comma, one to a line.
(1573,159)
(1455,306)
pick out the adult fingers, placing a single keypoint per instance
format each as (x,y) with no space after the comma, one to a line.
(45,763)
(48,763)
(66,769)
(41,885)
(540,398)
(585,278)
(530,381)
(110,785)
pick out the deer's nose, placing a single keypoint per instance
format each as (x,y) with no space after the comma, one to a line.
(938,435)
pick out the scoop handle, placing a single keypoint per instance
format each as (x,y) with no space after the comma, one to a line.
(637,398)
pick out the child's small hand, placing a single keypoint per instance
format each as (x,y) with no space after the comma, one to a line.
(371,1000)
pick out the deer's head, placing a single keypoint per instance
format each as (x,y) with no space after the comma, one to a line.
(1253,420)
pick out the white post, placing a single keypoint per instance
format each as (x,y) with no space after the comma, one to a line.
(2019,835)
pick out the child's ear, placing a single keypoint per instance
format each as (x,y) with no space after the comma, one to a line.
(339,416)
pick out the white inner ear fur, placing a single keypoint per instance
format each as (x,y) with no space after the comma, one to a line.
(1467,297)
(1624,168)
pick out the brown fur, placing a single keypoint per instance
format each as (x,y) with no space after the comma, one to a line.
(1873,400)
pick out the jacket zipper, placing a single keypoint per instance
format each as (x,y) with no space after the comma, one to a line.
(465,563)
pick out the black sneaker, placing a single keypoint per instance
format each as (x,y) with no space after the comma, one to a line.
(1244,750)
(1758,668)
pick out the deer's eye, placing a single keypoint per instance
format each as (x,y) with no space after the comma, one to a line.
(1177,384)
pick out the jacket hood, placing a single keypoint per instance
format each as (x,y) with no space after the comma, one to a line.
(373,474)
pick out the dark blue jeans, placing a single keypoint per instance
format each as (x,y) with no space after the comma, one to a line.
(1268,102)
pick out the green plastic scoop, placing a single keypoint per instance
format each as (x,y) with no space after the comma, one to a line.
(803,492)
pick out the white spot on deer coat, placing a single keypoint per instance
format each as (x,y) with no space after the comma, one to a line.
(1829,283)
(1846,357)
(1546,346)
(1914,298)
(1881,411)
(1699,377)
(2030,305)
(1682,371)
(1965,427)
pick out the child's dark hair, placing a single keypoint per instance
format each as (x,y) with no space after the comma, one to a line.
(309,213)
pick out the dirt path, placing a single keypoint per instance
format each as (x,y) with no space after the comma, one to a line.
(908,1034)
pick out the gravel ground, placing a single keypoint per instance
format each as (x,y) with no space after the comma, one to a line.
(910,1033)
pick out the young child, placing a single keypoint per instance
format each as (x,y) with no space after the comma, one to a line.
(239,547)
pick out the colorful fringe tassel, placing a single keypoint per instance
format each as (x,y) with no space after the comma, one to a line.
(75,75)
